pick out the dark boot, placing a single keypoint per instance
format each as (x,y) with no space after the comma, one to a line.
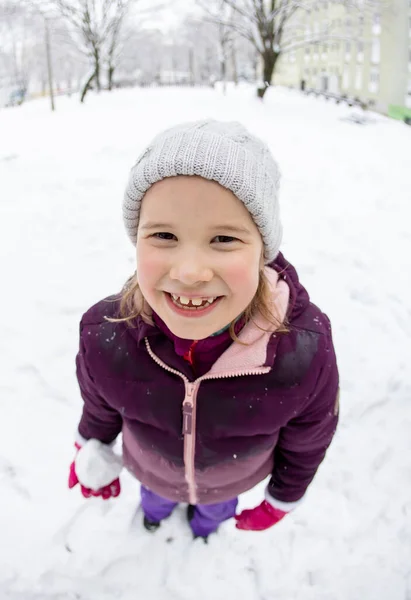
(151,525)
(190,512)
(190,516)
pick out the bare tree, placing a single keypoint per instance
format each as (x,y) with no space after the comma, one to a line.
(202,48)
(234,66)
(274,27)
(97,25)
(118,35)
(113,47)
(225,37)
(217,52)
(39,42)
(15,51)
(68,62)
(142,56)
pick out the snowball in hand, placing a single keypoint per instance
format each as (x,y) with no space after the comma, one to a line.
(97,465)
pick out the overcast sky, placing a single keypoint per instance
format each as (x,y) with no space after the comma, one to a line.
(169,16)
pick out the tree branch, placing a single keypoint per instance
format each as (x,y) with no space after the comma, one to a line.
(236,27)
(248,15)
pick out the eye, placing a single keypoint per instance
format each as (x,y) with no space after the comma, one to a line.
(225,239)
(163,235)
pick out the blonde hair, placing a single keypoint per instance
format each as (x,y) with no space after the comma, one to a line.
(133,305)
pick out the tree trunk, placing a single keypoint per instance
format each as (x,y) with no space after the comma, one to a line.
(49,66)
(110,73)
(269,61)
(87,86)
(223,72)
(97,68)
(255,61)
(191,65)
(234,62)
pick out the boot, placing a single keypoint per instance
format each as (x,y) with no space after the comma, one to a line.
(151,526)
(190,512)
(190,517)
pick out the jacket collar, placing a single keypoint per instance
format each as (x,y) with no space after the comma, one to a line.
(289,296)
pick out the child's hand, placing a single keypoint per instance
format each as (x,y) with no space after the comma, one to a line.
(259,518)
(96,469)
(108,491)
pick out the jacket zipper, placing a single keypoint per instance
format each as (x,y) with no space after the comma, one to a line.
(189,414)
(189,440)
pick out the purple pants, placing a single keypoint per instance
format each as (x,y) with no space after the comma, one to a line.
(207,517)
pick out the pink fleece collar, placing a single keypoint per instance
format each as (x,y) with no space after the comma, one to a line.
(236,355)
(256,334)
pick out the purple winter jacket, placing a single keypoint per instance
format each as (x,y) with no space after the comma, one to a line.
(270,408)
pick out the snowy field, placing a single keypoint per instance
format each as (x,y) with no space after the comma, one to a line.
(346,193)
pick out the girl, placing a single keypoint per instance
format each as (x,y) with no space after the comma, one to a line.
(213,363)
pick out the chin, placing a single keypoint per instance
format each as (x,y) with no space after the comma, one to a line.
(192,333)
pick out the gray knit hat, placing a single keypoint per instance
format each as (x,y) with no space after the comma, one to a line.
(220,151)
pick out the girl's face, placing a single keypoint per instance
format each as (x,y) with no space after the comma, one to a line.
(199,254)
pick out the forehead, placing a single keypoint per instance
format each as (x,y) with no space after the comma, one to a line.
(193,199)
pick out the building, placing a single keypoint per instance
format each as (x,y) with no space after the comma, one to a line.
(364,54)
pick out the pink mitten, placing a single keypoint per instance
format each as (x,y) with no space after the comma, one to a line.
(259,518)
(96,468)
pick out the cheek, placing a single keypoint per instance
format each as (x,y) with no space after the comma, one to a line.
(242,277)
(149,265)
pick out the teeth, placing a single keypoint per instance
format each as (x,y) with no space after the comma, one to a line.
(194,301)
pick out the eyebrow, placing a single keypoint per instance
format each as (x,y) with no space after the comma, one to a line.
(230,228)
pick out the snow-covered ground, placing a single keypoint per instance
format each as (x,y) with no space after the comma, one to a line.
(346,192)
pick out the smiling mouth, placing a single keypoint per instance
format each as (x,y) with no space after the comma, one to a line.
(192,304)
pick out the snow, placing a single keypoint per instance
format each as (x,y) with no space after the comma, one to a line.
(97,465)
(345,206)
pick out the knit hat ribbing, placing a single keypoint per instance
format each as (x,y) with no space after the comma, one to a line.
(224,152)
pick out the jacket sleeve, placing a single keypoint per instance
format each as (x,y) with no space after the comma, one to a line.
(99,420)
(304,440)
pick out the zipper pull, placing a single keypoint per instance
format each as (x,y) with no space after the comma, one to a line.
(187,418)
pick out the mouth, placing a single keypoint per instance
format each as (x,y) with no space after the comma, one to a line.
(192,306)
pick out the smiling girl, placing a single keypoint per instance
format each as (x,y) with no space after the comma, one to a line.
(213,363)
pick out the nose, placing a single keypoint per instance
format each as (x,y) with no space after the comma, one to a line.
(190,269)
